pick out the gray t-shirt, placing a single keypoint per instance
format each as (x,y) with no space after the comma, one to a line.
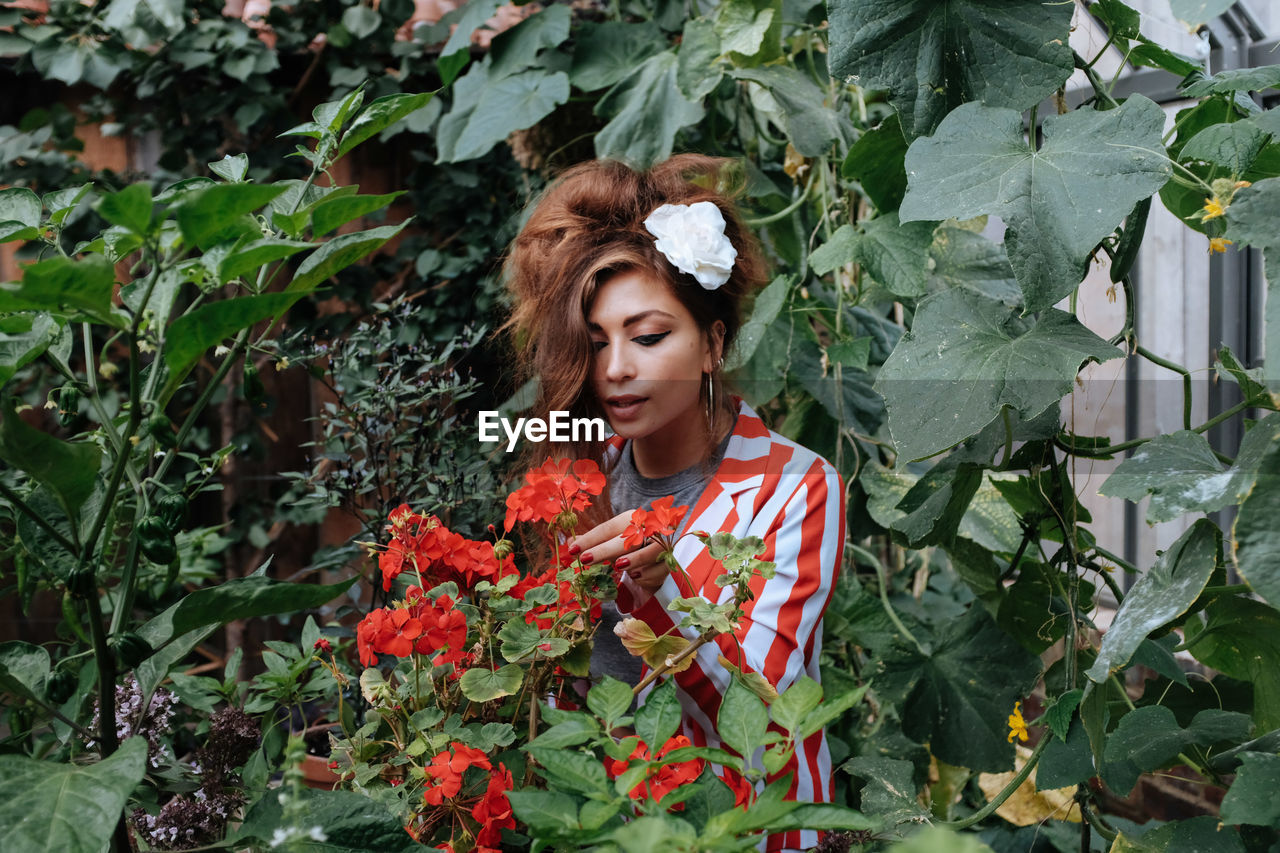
(628,490)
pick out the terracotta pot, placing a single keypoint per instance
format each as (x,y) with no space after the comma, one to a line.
(316,773)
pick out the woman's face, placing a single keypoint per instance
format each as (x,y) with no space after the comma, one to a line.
(649,359)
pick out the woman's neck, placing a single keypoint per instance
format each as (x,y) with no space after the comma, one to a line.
(682,444)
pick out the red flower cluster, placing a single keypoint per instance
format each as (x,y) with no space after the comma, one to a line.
(438,554)
(661,519)
(556,487)
(660,780)
(491,811)
(424,626)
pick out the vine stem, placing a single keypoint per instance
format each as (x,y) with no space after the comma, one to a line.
(1178,369)
(672,662)
(1005,793)
(892,614)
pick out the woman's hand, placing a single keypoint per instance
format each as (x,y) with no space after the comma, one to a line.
(603,544)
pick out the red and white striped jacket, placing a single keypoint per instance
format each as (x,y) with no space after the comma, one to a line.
(793,499)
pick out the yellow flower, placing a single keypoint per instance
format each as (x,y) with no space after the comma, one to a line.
(1213,208)
(1017,725)
(1218,244)
(108,369)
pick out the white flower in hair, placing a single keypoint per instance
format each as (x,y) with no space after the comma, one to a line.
(692,238)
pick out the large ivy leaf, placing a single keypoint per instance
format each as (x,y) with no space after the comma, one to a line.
(1150,737)
(80,289)
(1257,536)
(47,805)
(241,598)
(1162,594)
(1182,475)
(68,468)
(488,108)
(608,52)
(1241,639)
(810,124)
(1251,219)
(23,337)
(1252,796)
(24,668)
(959,698)
(350,823)
(1058,201)
(966,358)
(648,110)
(933,55)
(877,161)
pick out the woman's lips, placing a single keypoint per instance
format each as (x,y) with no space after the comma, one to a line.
(625,407)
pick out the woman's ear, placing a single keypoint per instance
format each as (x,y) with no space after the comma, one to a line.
(715,346)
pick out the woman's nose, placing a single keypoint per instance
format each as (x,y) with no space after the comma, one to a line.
(618,365)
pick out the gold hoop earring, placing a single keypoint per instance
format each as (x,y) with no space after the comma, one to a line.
(711,403)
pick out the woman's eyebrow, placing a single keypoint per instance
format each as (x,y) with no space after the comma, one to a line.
(633,319)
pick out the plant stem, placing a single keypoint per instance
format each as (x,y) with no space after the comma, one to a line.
(1099,88)
(1006,792)
(672,662)
(1176,368)
(892,614)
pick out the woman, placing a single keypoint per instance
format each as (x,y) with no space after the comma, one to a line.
(627,289)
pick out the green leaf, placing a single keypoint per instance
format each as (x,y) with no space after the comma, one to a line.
(245,259)
(19,204)
(1241,639)
(1182,475)
(521,640)
(1058,201)
(1251,219)
(23,338)
(742,27)
(1194,835)
(825,817)
(960,257)
(517,48)
(699,70)
(810,124)
(935,505)
(1257,538)
(130,208)
(765,310)
(350,822)
(474,14)
(607,53)
(1252,796)
(241,598)
(896,254)
(545,811)
(658,717)
(1121,20)
(958,699)
(609,700)
(483,685)
(1066,761)
(841,248)
(47,805)
(212,323)
(1232,146)
(575,771)
(361,20)
(647,110)
(332,115)
(220,212)
(67,468)
(379,115)
(878,162)
(572,732)
(24,669)
(966,357)
(504,105)
(1193,13)
(932,57)
(1236,80)
(80,289)
(743,718)
(890,791)
(230,168)
(1149,738)
(338,254)
(1165,592)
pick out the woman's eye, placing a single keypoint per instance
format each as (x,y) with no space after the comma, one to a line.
(650,340)
(596,346)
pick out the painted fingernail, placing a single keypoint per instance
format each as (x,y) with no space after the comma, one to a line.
(574,549)
(622,562)
(585,559)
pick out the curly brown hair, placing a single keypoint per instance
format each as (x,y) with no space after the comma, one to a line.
(587,226)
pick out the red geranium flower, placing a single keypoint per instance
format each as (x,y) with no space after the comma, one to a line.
(660,780)
(661,519)
(386,631)
(447,770)
(493,812)
(554,487)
